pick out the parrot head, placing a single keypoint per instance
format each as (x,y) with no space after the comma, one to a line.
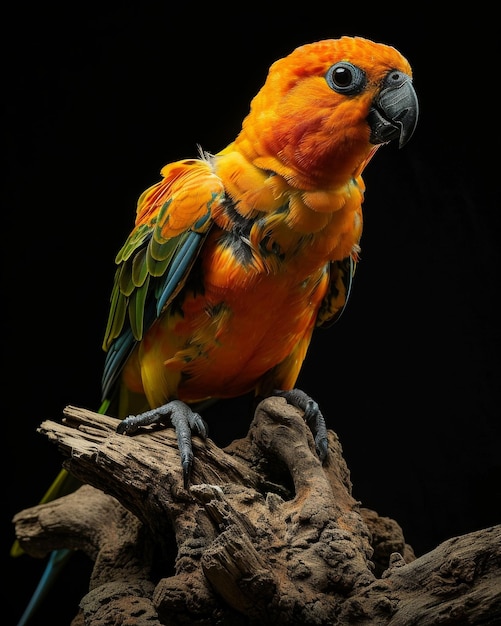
(326,107)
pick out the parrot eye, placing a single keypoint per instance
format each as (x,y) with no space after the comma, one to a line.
(346,78)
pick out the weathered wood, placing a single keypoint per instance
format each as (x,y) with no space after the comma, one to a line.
(265,534)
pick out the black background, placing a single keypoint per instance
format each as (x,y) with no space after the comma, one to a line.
(98,100)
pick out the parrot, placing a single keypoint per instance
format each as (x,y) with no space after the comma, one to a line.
(236,256)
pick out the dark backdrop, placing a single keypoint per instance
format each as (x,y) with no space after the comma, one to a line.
(97,100)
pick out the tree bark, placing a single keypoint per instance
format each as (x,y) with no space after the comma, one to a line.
(265,534)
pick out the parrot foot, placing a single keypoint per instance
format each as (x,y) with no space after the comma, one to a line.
(312,416)
(183,419)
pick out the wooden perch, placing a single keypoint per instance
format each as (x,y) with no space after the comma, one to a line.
(265,534)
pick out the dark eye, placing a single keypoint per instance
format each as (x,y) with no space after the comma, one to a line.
(345,78)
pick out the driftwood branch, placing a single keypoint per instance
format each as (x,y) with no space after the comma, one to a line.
(266,534)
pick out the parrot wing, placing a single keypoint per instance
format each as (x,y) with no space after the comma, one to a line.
(336,298)
(173,219)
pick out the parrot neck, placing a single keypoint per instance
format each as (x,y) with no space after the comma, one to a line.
(325,223)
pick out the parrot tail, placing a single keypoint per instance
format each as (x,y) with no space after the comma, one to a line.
(63,484)
(57,561)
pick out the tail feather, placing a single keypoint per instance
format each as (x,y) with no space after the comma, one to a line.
(57,561)
(63,484)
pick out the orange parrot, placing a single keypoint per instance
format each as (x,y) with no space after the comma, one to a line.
(236,257)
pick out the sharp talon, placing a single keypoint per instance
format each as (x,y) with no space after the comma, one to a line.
(187,473)
(129,425)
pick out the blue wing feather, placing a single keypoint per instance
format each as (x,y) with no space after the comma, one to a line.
(181,263)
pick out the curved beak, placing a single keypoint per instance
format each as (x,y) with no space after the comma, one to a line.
(395,111)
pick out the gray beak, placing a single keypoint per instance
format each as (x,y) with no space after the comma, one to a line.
(395,111)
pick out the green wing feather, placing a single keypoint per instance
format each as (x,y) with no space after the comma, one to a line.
(174,217)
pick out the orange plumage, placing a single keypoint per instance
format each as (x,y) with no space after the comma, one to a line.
(271,219)
(236,257)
